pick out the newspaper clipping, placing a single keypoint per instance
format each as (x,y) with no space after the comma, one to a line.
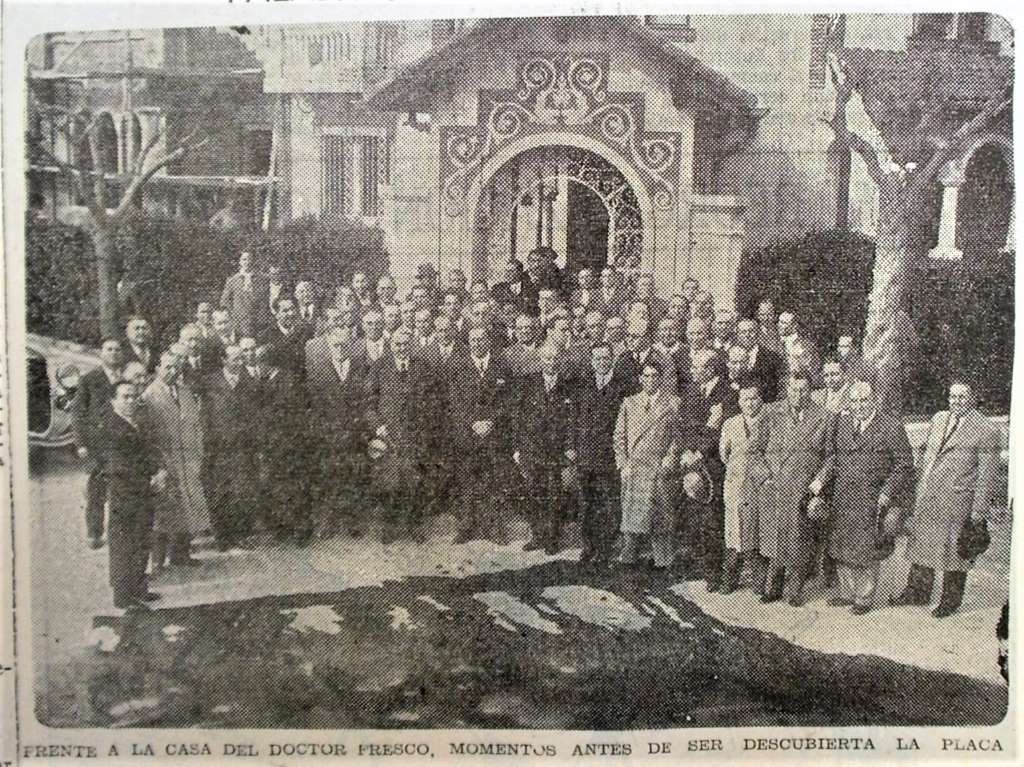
(604,388)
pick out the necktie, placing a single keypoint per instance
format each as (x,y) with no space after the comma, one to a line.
(647,406)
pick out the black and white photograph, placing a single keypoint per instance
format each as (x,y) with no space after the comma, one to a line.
(572,373)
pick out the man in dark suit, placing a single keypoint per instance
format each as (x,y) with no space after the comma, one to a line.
(764,365)
(670,349)
(306,306)
(231,470)
(286,338)
(630,364)
(92,401)
(511,288)
(541,429)
(612,295)
(245,297)
(444,353)
(401,411)
(132,470)
(223,335)
(335,389)
(586,291)
(657,307)
(591,449)
(138,343)
(480,416)
(199,360)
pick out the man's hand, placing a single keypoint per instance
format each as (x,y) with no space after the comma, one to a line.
(382,431)
(690,458)
(815,487)
(482,428)
(883,501)
(667,463)
(82,452)
(515,457)
(570,456)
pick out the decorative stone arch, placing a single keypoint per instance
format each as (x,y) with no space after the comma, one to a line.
(561,99)
(477,257)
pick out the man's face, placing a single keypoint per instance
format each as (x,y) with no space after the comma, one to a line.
(798,392)
(138,332)
(696,334)
(204,314)
(608,278)
(479,292)
(392,317)
(862,402)
(136,373)
(249,353)
(304,293)
(676,307)
(400,346)
(373,326)
(548,360)
(645,286)
(594,326)
(420,298)
(702,371)
(409,315)
(786,324)
(110,354)
(746,334)
(833,375)
(845,346)
(689,290)
(360,284)
(526,331)
(457,279)
(233,359)
(338,345)
(479,344)
(637,340)
(616,331)
(724,328)
(190,339)
(586,279)
(245,263)
(424,325)
(125,401)
(960,399)
(650,379)
(443,330)
(560,330)
(705,305)
(222,323)
(766,314)
(274,275)
(737,362)
(481,315)
(386,290)
(601,360)
(452,307)
(167,370)
(750,401)
(286,314)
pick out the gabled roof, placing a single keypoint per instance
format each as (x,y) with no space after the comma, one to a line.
(414,86)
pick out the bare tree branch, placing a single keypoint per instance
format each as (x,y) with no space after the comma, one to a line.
(950,148)
(140,160)
(844,92)
(140,180)
(74,176)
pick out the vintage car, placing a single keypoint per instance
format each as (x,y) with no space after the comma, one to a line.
(53,369)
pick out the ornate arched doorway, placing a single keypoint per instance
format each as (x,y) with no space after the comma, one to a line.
(985,202)
(564,197)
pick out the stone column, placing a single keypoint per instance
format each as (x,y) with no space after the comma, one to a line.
(946,248)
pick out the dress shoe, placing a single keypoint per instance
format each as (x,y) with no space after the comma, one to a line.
(149,596)
(860,609)
(534,545)
(839,602)
(463,536)
(906,598)
(551,549)
(796,601)
(944,610)
(95,543)
(769,597)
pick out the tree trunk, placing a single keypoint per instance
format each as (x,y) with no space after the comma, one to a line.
(887,332)
(106,277)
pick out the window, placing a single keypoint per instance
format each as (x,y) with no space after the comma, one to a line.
(933,26)
(677,27)
(972,27)
(316,50)
(351,175)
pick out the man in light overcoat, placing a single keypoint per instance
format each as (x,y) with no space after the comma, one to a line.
(957,479)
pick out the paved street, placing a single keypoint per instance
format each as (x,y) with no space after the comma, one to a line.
(354,633)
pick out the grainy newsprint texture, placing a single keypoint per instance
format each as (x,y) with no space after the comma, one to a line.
(594,388)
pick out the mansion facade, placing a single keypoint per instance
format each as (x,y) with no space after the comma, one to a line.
(673,141)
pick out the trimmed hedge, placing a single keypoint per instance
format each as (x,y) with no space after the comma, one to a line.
(824,278)
(170,265)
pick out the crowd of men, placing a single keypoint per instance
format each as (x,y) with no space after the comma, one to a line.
(683,439)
